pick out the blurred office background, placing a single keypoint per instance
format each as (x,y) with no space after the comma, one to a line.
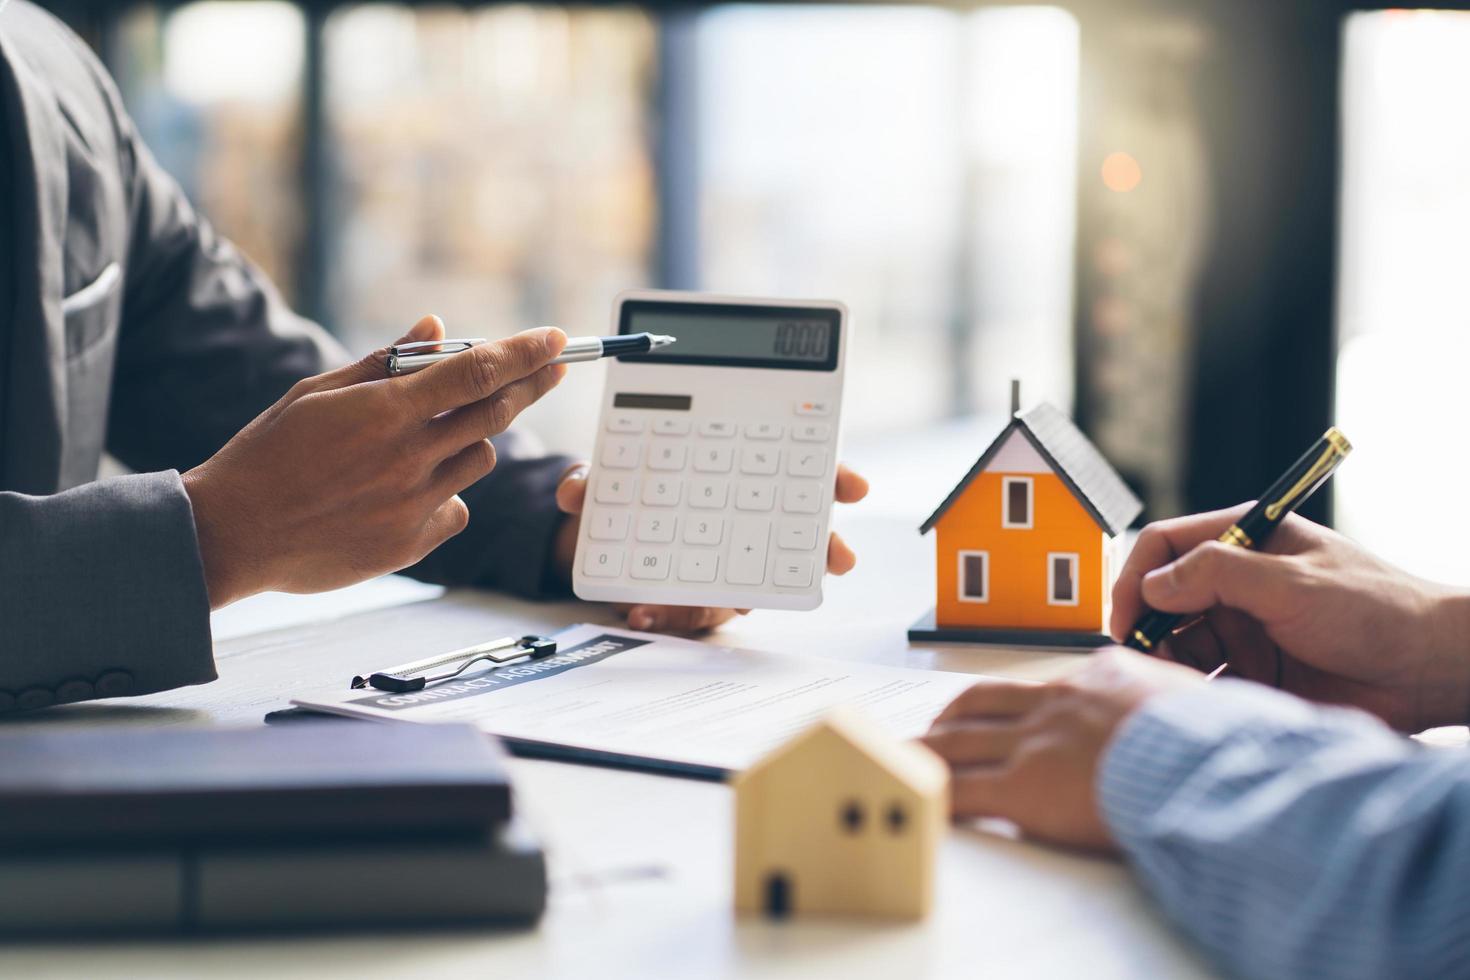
(1206,227)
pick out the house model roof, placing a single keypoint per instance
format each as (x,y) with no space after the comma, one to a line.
(1073,457)
(911,764)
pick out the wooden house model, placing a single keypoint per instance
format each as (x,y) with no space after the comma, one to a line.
(1025,545)
(844,819)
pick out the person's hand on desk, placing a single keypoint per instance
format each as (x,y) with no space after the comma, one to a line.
(353,474)
(572,494)
(1030,753)
(1314,614)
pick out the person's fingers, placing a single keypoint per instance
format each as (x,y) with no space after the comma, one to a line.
(571,492)
(1217,574)
(966,743)
(481,371)
(373,367)
(677,619)
(840,558)
(1158,544)
(993,699)
(1245,644)
(983,791)
(428,328)
(493,415)
(851,487)
(1196,645)
(448,519)
(465,468)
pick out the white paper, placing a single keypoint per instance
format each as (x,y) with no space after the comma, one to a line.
(656,697)
(279,610)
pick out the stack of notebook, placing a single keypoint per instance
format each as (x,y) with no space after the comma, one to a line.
(306,826)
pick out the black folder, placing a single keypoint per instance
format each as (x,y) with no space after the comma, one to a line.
(359,825)
(110,786)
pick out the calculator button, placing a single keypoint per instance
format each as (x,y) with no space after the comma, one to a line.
(763,430)
(656,527)
(755,495)
(620,453)
(748,540)
(708,494)
(624,423)
(807,462)
(667,456)
(811,431)
(650,563)
(661,492)
(603,561)
(717,430)
(714,459)
(797,535)
(671,427)
(802,498)
(760,460)
(608,525)
(814,408)
(794,571)
(699,529)
(698,566)
(614,488)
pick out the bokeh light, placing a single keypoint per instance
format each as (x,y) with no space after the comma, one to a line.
(1120,172)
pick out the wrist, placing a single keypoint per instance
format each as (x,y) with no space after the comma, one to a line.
(1446,681)
(221,558)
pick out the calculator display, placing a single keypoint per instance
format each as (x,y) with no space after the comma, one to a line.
(791,338)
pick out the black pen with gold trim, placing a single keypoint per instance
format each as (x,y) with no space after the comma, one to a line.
(1251,531)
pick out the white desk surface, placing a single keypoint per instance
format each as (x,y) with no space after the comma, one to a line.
(639,864)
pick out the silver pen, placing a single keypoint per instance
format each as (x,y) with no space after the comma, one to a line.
(408,358)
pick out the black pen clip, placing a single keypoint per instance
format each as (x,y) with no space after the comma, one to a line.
(420,674)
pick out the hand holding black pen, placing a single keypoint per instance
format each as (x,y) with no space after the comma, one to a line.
(1280,499)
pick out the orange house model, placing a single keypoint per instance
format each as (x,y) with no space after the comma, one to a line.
(1025,545)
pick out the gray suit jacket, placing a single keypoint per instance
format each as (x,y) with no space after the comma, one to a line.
(128,325)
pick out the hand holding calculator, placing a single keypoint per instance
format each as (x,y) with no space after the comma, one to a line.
(713,473)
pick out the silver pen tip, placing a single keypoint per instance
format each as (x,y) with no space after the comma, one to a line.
(662,340)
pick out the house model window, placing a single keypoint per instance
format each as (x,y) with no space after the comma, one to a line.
(974,576)
(1016,497)
(1061,579)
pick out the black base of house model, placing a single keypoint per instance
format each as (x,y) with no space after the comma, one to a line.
(924,629)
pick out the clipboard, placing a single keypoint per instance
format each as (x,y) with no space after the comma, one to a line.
(639,701)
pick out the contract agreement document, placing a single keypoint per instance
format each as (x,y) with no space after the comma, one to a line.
(625,698)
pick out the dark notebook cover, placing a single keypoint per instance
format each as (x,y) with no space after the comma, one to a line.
(497,877)
(104,787)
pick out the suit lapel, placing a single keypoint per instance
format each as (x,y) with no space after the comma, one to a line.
(34,411)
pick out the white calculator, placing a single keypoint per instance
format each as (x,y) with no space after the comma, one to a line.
(712,477)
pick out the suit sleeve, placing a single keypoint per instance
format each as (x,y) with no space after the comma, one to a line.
(103,594)
(513,521)
(1293,840)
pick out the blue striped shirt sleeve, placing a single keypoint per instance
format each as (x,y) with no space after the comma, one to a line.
(1293,840)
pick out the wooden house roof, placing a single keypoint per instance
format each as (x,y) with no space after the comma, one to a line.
(1073,457)
(909,763)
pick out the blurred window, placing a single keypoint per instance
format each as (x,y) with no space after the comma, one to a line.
(916,163)
(215,88)
(494,168)
(502,166)
(1404,296)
